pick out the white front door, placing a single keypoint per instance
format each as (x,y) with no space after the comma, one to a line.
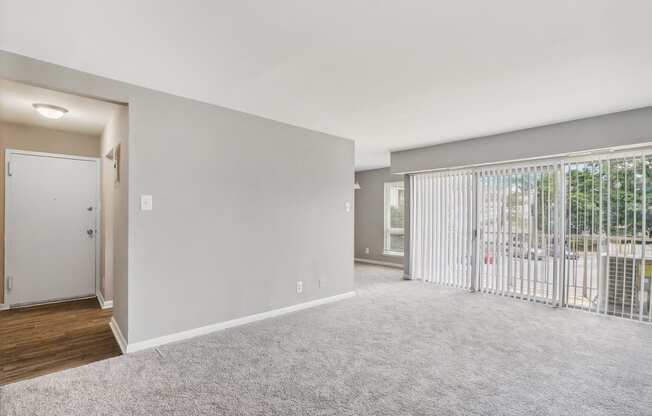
(51,204)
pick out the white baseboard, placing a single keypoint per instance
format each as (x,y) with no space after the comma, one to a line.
(4,306)
(117,333)
(104,304)
(179,336)
(379,263)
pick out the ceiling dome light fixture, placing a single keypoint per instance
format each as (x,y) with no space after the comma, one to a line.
(50,111)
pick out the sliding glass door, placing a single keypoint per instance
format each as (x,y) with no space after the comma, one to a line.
(520,232)
(572,232)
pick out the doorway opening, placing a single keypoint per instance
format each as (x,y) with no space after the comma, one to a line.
(58,217)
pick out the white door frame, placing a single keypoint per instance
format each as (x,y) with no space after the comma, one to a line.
(97,208)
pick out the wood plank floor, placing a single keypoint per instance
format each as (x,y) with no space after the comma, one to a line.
(44,339)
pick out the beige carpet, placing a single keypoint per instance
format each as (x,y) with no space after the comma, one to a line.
(398,348)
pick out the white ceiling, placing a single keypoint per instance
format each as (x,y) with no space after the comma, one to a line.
(84,115)
(388,74)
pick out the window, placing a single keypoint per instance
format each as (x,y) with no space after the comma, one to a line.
(394,214)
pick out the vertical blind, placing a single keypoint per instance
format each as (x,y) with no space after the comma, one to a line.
(570,232)
(519,232)
(442,213)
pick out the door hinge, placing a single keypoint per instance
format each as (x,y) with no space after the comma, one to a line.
(10,283)
(9,171)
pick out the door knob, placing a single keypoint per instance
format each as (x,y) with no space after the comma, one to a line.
(89,232)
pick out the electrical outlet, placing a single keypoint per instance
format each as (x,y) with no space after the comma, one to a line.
(319,283)
(299,286)
(366,250)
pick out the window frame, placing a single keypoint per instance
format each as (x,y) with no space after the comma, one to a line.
(388,230)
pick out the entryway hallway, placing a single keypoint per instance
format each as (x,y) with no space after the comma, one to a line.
(45,339)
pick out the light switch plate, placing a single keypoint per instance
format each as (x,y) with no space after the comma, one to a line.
(146,203)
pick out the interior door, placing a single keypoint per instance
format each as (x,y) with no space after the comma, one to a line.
(50,227)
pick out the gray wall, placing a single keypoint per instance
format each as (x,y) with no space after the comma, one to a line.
(243,207)
(369,214)
(617,129)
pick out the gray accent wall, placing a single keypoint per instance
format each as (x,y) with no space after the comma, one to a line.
(369,214)
(632,127)
(243,207)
